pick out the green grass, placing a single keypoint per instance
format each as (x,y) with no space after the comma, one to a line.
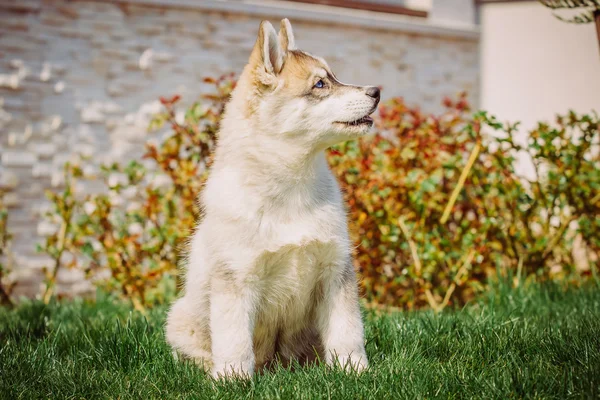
(543,343)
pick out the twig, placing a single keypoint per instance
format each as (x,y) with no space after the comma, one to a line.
(411,245)
(415,256)
(461,182)
(554,241)
(61,246)
(519,270)
(432,301)
(5,299)
(456,282)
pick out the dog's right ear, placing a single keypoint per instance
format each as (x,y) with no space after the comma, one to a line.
(286,36)
(266,58)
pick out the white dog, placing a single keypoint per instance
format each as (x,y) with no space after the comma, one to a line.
(270,275)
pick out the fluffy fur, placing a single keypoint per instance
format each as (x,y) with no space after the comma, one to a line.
(269,274)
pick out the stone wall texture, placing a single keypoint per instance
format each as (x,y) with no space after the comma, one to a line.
(84,77)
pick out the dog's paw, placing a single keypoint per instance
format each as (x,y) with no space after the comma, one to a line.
(353,362)
(229,370)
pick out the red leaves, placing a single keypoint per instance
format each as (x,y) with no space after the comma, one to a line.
(169,101)
(460,105)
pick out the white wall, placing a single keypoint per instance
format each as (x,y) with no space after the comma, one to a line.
(534,65)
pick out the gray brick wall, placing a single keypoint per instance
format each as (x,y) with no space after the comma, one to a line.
(85,76)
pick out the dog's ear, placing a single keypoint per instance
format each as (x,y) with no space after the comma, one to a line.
(266,58)
(286,36)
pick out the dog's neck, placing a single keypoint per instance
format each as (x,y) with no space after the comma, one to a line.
(274,169)
(266,162)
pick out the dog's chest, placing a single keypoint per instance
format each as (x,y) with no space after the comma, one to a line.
(291,279)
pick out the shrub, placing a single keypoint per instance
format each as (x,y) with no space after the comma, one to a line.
(437,206)
(136,229)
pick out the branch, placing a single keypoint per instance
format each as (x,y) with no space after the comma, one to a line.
(411,245)
(62,237)
(5,299)
(456,282)
(461,182)
(554,241)
(415,256)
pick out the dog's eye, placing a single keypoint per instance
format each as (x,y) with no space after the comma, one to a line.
(320,84)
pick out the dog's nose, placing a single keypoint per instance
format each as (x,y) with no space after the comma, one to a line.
(373,92)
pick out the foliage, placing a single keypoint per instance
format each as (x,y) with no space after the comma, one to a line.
(5,284)
(437,206)
(533,343)
(136,229)
(589,15)
(436,203)
(64,206)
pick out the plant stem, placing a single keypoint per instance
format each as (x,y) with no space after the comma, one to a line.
(64,228)
(519,270)
(415,255)
(461,182)
(5,299)
(557,237)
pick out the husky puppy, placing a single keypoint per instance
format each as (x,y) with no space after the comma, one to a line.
(269,271)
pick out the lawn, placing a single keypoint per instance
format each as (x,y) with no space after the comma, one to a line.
(539,343)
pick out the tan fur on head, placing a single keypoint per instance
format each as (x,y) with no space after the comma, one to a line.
(290,92)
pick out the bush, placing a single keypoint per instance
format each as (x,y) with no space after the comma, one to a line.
(437,206)
(137,228)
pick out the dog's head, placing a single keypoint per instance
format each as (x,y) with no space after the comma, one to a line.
(295,95)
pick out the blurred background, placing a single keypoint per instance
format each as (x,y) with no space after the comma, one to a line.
(83,79)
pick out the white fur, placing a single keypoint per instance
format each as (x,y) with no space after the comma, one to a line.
(269,269)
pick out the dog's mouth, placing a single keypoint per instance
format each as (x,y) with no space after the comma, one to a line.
(366,120)
(362,121)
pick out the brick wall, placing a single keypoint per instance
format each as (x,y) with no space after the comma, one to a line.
(83,77)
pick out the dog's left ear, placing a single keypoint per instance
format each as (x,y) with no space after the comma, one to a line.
(286,36)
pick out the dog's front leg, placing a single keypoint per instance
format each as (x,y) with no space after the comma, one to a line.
(232,313)
(340,322)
